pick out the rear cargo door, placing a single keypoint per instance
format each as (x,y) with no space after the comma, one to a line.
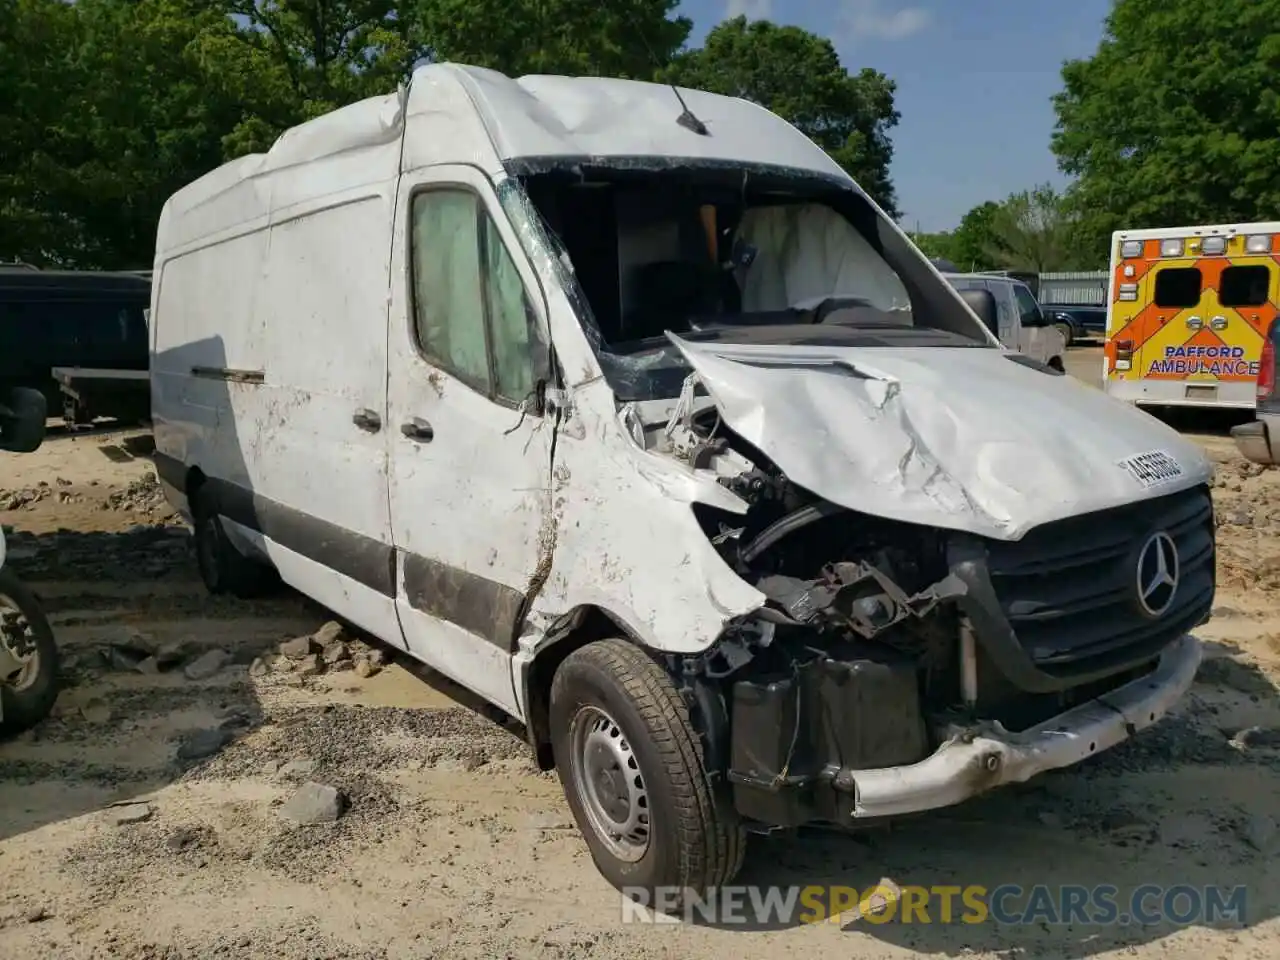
(1241,304)
(1170,320)
(1156,301)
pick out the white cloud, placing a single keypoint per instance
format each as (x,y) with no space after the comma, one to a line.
(751,9)
(882,19)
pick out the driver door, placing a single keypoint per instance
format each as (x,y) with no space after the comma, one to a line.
(1006,311)
(469,459)
(1031,325)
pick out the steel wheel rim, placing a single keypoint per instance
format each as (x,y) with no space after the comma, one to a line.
(607,780)
(17,646)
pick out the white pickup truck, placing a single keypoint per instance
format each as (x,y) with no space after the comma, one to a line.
(1020,323)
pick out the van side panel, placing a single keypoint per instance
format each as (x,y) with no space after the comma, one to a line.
(321,308)
(270,347)
(203,320)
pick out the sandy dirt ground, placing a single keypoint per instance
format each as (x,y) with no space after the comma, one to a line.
(155,815)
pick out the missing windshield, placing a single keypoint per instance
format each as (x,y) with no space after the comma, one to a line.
(717,253)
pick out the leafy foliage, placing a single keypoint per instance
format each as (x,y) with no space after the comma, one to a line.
(108,106)
(1173,120)
(798,75)
(608,38)
(1030,231)
(971,245)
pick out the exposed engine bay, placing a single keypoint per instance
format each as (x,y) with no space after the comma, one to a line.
(863,656)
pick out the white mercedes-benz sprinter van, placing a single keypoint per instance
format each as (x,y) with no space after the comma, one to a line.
(624,407)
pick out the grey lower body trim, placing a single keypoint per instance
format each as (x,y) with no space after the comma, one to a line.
(486,608)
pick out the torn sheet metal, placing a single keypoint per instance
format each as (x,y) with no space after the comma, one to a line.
(859,596)
(957,438)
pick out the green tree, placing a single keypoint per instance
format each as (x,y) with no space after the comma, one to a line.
(937,244)
(287,61)
(115,114)
(1031,230)
(973,240)
(38,43)
(1173,120)
(618,38)
(798,75)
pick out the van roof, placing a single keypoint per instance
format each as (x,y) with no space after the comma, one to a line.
(1201,230)
(470,115)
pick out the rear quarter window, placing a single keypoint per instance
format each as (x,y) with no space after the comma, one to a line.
(1178,287)
(1245,286)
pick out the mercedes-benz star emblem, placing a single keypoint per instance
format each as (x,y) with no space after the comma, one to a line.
(1157,574)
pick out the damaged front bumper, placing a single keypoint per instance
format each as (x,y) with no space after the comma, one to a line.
(970,762)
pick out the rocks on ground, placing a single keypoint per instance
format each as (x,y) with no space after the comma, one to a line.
(127,813)
(329,650)
(143,495)
(199,744)
(314,803)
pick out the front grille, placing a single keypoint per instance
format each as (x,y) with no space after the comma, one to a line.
(1069,588)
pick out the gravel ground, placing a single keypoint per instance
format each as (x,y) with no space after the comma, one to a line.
(213,786)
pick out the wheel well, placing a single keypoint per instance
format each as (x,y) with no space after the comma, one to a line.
(1056,363)
(194,481)
(587,624)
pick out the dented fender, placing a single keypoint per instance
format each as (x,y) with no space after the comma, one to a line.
(625,540)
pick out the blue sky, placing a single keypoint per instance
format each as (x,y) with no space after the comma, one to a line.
(974,81)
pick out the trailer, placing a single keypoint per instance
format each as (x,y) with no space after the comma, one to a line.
(92,392)
(80,337)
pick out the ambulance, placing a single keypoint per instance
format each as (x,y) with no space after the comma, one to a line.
(1189,311)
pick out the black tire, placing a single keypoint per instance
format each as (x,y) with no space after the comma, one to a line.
(694,841)
(223,568)
(1068,333)
(24,706)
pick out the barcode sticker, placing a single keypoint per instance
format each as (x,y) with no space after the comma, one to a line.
(1152,469)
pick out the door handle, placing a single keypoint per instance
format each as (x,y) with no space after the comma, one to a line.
(418,429)
(367,420)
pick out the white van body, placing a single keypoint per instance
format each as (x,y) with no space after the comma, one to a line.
(1022,325)
(597,537)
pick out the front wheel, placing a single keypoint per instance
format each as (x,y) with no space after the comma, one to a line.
(1068,333)
(28,659)
(631,765)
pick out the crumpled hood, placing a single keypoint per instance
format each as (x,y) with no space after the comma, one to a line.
(959,438)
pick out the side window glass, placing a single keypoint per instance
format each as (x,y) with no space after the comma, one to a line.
(1244,286)
(1028,309)
(1178,287)
(448,304)
(517,351)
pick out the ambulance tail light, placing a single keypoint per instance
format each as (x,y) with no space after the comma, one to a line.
(1124,354)
(1267,368)
(1128,292)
